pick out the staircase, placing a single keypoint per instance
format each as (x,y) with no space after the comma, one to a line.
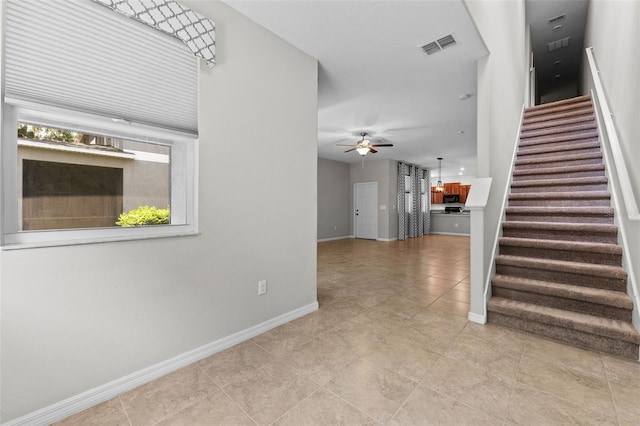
(559,270)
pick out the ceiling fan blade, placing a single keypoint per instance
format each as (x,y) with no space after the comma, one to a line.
(373,151)
(349,150)
(346,144)
(382,144)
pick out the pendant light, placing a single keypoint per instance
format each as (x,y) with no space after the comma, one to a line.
(439,186)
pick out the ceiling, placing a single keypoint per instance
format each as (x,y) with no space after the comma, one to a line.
(550,21)
(373,76)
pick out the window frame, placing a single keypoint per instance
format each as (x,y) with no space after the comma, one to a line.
(183,176)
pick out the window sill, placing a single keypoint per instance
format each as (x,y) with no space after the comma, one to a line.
(57,238)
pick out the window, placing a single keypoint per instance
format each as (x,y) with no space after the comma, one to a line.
(107,124)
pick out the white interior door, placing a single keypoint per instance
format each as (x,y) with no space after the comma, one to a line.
(366,210)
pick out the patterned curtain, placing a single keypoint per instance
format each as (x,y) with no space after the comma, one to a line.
(402,172)
(170,17)
(427,203)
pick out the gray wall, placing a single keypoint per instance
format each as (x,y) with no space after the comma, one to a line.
(77,317)
(385,172)
(501,93)
(333,199)
(614,34)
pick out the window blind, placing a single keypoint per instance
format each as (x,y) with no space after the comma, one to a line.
(81,56)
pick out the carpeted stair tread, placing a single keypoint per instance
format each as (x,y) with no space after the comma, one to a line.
(562,102)
(607,327)
(563,245)
(586,116)
(559,170)
(617,299)
(582,182)
(525,162)
(557,129)
(553,109)
(555,138)
(578,268)
(560,195)
(585,109)
(589,232)
(590,146)
(571,214)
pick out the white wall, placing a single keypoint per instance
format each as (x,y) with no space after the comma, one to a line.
(333,199)
(614,33)
(385,172)
(76,317)
(501,87)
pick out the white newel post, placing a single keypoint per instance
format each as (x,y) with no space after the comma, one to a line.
(476,203)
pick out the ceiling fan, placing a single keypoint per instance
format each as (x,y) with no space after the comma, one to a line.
(364,146)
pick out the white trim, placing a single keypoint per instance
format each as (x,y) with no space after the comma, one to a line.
(88,399)
(459,234)
(386,239)
(477,318)
(344,237)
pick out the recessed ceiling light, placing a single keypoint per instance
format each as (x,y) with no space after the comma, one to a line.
(460,132)
(464,96)
(558,62)
(460,174)
(557,75)
(461,168)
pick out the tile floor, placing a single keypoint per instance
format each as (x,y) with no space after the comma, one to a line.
(390,345)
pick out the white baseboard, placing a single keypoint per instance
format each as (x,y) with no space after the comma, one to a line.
(449,233)
(386,239)
(78,403)
(322,240)
(477,318)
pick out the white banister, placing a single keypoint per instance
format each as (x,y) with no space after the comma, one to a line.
(628,196)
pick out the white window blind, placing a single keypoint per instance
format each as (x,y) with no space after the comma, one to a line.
(78,55)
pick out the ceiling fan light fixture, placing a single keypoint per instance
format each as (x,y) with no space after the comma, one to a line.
(362,150)
(439,185)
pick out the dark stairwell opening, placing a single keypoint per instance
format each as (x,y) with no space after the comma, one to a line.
(557,31)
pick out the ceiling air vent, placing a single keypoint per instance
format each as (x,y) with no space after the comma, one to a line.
(439,44)
(558,44)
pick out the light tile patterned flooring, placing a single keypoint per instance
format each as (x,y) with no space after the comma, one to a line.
(390,345)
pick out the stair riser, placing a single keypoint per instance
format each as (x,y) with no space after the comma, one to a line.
(587,237)
(557,130)
(558,188)
(568,255)
(578,119)
(560,202)
(555,145)
(559,163)
(574,337)
(563,303)
(592,281)
(559,175)
(564,218)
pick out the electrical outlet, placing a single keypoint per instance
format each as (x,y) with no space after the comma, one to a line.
(262,287)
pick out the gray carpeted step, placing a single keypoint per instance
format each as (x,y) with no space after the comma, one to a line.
(587,331)
(555,104)
(586,300)
(586,109)
(560,199)
(554,109)
(559,161)
(559,149)
(564,172)
(586,232)
(558,130)
(575,273)
(586,115)
(556,139)
(595,183)
(561,214)
(570,251)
